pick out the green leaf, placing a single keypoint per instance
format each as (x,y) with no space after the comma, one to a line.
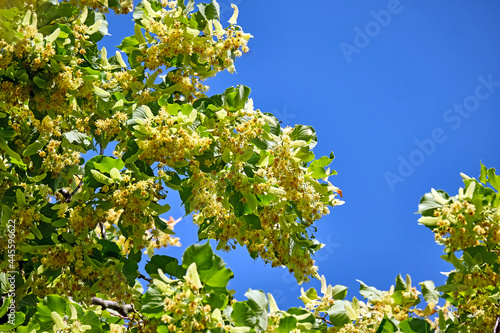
(109,163)
(217,278)
(287,324)
(129,44)
(415,325)
(115,175)
(493,179)
(209,11)
(153,302)
(339,292)
(160,209)
(211,267)
(481,255)
(400,283)
(55,303)
(337,314)
(10,152)
(235,98)
(322,161)
(77,137)
(252,201)
(349,310)
(243,315)
(101,92)
(387,326)
(226,155)
(311,293)
(7,300)
(428,203)
(161,225)
(167,264)
(130,270)
(20,198)
(317,172)
(193,277)
(429,292)
(252,222)
(306,133)
(139,37)
(202,254)
(483,174)
(90,318)
(101,178)
(367,292)
(18,320)
(89,179)
(257,301)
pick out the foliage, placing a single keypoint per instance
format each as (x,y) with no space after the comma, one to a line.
(89,145)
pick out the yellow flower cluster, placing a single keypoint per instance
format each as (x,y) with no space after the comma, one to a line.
(126,6)
(169,141)
(286,173)
(110,127)
(55,160)
(279,176)
(372,313)
(13,95)
(473,296)
(171,40)
(459,227)
(26,219)
(119,79)
(183,308)
(78,274)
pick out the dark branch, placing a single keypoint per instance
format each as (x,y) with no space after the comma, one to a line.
(122,309)
(103,231)
(325,320)
(145,278)
(67,195)
(79,186)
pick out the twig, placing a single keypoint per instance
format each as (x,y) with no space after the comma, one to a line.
(103,231)
(151,280)
(67,195)
(79,186)
(496,329)
(122,309)
(327,321)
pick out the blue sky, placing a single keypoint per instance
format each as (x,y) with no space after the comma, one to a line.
(405,93)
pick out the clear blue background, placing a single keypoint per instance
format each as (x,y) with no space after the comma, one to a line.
(369,107)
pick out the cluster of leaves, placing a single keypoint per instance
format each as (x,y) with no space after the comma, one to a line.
(74,230)
(194,298)
(468,225)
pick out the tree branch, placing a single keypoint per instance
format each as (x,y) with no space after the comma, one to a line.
(151,280)
(67,195)
(324,319)
(103,231)
(122,309)
(496,329)
(79,186)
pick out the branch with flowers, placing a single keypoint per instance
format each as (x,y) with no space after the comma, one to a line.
(144,121)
